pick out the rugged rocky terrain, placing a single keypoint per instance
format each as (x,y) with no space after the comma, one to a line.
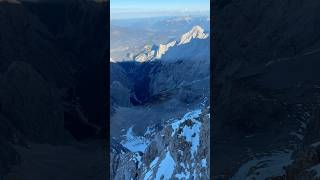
(52,88)
(267,90)
(179,151)
(162,129)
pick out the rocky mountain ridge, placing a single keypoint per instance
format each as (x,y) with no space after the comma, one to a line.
(157,52)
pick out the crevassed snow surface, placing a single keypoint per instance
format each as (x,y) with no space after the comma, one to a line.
(265,166)
(166,167)
(135,143)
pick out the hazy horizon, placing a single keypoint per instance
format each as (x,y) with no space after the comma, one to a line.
(128,9)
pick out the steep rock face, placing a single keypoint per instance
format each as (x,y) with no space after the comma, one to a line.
(127,166)
(307,157)
(120,86)
(183,66)
(305,165)
(196,48)
(79,38)
(32,104)
(123,164)
(120,94)
(25,38)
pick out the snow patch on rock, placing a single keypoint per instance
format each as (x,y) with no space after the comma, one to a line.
(166,167)
(135,143)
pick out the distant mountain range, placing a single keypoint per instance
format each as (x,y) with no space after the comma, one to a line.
(176,48)
(128,37)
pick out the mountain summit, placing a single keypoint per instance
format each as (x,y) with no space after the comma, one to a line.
(196,32)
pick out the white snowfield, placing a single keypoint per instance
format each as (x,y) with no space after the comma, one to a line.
(135,143)
(189,115)
(166,167)
(163,168)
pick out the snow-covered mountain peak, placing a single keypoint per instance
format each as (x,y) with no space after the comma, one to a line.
(152,52)
(147,54)
(196,32)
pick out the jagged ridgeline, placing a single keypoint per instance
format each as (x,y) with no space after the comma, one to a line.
(160,111)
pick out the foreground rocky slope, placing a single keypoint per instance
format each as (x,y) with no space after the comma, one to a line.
(179,151)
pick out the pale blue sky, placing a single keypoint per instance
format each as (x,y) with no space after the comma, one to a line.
(121,9)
